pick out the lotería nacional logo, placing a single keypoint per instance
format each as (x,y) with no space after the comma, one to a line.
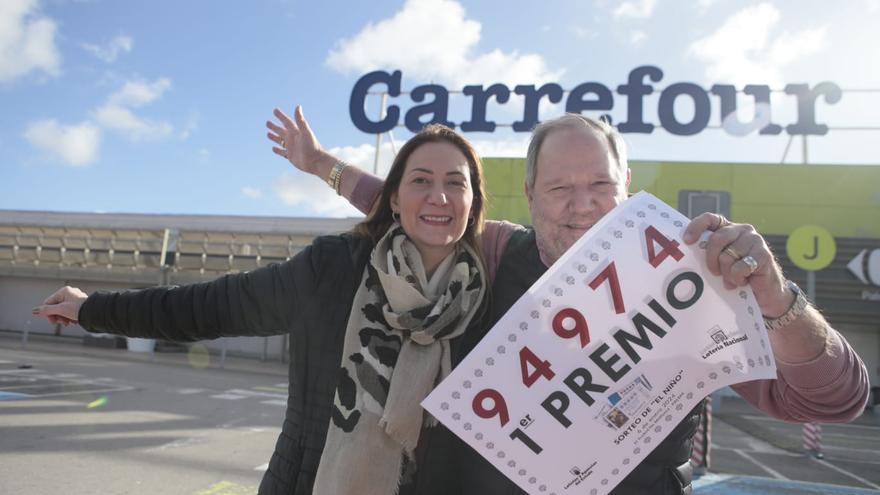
(719,339)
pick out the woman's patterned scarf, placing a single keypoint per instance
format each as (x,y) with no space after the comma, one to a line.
(396,350)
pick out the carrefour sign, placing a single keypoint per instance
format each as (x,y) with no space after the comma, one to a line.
(593,97)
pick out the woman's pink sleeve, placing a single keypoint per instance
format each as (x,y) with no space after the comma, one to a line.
(832,388)
(366,191)
(495,236)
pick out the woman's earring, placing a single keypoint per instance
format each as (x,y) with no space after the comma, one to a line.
(471,221)
(395,215)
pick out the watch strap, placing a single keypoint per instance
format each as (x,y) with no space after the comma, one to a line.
(797,308)
(334,180)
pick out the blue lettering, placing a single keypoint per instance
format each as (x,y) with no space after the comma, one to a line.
(806,123)
(604,100)
(666,110)
(437,108)
(635,91)
(552,91)
(358,99)
(478,122)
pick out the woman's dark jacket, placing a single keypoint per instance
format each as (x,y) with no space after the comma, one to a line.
(309,297)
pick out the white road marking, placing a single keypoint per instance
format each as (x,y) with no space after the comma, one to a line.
(262,467)
(256,393)
(771,472)
(874,452)
(847,473)
(189,391)
(79,392)
(183,442)
(228,396)
(65,379)
(824,425)
(274,402)
(23,385)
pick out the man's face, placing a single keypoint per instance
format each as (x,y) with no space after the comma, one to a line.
(577,182)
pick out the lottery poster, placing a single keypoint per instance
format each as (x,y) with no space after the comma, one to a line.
(599,361)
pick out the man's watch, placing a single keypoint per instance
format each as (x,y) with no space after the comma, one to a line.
(798,307)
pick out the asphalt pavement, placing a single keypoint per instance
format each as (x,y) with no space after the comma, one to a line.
(78,419)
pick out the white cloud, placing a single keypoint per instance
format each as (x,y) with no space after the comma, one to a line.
(583,33)
(192,123)
(364,156)
(872,5)
(27,41)
(743,50)
(637,37)
(789,47)
(298,189)
(76,145)
(704,5)
(203,155)
(122,120)
(641,9)
(504,148)
(445,51)
(110,52)
(302,190)
(116,113)
(139,93)
(252,192)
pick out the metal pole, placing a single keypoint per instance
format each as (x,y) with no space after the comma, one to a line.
(812,433)
(806,159)
(811,286)
(700,457)
(223,355)
(379,136)
(787,146)
(164,247)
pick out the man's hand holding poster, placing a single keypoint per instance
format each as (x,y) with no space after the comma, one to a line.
(596,364)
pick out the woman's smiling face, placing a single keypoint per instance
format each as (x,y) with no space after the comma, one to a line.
(434,199)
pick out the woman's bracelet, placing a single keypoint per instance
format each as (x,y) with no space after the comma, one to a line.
(334,180)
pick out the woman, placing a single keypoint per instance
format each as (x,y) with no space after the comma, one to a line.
(373,318)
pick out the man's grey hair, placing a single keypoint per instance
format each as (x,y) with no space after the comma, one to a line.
(600,128)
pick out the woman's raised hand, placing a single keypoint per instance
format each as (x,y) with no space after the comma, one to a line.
(296,142)
(62,306)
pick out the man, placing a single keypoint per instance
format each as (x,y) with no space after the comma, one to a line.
(576,172)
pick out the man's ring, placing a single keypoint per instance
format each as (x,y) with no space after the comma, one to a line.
(753,264)
(282,143)
(733,254)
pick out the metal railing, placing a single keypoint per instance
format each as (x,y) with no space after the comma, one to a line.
(140,257)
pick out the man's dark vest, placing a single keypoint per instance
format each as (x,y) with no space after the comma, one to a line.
(666,470)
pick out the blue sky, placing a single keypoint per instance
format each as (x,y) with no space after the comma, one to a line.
(159,107)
